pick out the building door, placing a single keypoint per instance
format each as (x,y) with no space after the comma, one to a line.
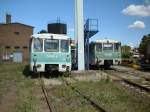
(17,57)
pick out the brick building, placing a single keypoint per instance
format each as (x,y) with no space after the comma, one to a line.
(14,41)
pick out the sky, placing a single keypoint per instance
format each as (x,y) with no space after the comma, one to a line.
(123,20)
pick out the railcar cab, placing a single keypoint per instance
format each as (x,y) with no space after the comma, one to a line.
(145,58)
(50,52)
(110,50)
(106,52)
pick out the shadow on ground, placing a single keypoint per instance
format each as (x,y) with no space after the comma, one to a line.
(28,73)
(145,69)
(101,67)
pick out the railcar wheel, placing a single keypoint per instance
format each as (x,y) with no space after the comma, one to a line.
(106,66)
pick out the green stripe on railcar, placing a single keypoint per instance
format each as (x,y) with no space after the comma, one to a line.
(51,58)
(108,55)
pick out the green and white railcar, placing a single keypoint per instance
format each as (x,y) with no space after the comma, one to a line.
(50,52)
(105,52)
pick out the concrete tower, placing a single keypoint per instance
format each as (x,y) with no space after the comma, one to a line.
(79,33)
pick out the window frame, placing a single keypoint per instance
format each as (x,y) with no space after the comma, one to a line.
(119,45)
(33,50)
(61,46)
(109,47)
(57,43)
(97,49)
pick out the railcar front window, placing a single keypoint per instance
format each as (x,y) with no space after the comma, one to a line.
(116,46)
(51,45)
(38,44)
(99,47)
(64,45)
(108,47)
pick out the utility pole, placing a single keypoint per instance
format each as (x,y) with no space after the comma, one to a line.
(79,33)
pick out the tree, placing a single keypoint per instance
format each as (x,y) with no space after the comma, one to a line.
(126,51)
(42,31)
(143,44)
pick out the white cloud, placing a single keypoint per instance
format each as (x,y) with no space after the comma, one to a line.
(137,25)
(137,10)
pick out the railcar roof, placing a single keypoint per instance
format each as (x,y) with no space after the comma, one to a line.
(50,36)
(106,41)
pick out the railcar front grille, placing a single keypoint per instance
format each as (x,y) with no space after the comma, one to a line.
(51,67)
(108,62)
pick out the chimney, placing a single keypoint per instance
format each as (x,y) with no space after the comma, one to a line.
(8,18)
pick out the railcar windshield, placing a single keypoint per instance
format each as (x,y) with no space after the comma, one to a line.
(99,47)
(64,45)
(116,47)
(37,45)
(107,46)
(51,45)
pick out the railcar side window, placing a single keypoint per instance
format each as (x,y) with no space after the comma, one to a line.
(38,44)
(51,45)
(99,47)
(116,46)
(64,45)
(108,47)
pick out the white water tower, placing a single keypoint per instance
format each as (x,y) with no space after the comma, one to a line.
(79,33)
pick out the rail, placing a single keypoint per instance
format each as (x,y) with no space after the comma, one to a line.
(92,102)
(130,82)
(45,93)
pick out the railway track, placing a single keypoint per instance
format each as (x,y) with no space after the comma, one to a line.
(146,78)
(136,73)
(45,93)
(99,107)
(140,85)
(76,90)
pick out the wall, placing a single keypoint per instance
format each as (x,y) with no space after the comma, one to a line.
(14,37)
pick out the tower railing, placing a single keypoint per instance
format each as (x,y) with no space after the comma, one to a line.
(90,29)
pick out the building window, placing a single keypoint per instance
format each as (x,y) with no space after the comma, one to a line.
(7,47)
(17,33)
(8,56)
(25,47)
(17,47)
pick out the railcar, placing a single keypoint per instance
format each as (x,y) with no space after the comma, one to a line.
(105,53)
(50,52)
(145,59)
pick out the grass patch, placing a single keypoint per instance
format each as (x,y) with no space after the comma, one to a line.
(17,87)
(113,97)
(24,95)
(65,100)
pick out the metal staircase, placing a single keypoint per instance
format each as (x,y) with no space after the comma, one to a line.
(90,29)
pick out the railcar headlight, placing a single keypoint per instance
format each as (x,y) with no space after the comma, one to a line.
(99,61)
(38,65)
(63,66)
(116,60)
(67,68)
